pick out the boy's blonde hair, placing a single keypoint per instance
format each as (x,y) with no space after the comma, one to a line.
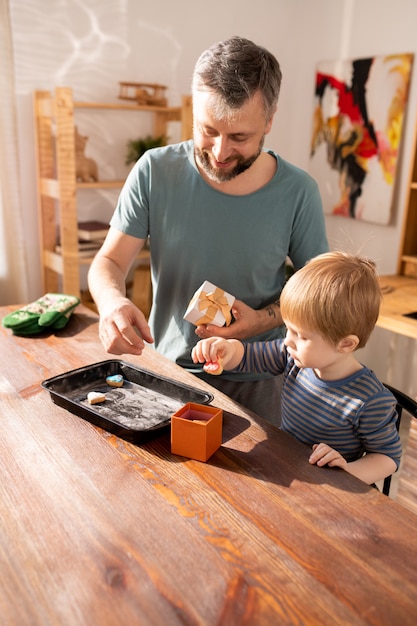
(336,294)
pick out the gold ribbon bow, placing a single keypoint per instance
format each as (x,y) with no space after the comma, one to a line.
(213,301)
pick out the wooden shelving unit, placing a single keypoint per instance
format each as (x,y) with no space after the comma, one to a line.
(399,305)
(57,184)
(407,262)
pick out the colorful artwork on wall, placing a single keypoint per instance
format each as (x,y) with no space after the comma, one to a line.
(359,111)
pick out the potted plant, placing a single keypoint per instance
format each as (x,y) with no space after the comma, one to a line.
(137,147)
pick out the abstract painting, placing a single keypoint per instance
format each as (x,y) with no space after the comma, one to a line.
(359,109)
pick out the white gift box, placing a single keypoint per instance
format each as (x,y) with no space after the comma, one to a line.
(210,305)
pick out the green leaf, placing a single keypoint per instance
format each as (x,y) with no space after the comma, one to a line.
(137,147)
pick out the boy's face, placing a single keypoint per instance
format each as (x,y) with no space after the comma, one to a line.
(225,148)
(309,348)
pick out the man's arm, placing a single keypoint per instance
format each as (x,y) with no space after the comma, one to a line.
(123,328)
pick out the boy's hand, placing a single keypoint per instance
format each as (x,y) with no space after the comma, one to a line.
(209,350)
(214,348)
(323,454)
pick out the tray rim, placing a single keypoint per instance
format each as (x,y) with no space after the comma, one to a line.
(95,417)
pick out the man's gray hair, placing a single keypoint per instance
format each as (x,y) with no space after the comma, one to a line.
(235,69)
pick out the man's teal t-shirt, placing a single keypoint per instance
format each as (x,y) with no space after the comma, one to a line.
(197,233)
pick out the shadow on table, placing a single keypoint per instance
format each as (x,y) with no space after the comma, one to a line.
(278,458)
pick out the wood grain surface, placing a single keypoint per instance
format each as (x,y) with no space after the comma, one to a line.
(95,530)
(399,300)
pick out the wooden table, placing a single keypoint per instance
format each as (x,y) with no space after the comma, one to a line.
(98,531)
(400,297)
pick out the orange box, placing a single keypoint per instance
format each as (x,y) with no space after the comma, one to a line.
(196,431)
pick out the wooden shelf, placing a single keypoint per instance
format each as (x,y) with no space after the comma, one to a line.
(400,299)
(54,260)
(407,260)
(57,184)
(101,184)
(118,106)
(400,291)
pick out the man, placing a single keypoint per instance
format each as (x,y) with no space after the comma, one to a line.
(217,208)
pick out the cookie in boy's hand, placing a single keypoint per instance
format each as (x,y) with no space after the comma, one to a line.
(213,367)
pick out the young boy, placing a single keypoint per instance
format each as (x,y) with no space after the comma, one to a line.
(330,401)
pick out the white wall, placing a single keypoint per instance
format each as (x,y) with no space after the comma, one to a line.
(90,45)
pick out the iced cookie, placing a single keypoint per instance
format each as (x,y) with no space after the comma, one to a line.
(213,367)
(116,380)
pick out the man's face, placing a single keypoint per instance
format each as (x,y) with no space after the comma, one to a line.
(225,148)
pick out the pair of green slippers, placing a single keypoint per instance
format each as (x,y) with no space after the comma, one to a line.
(51,312)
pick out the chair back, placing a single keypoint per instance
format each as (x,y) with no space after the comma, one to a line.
(404,403)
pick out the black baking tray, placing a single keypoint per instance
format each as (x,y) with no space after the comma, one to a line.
(137,411)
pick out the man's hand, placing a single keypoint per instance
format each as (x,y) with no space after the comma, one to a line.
(247,323)
(123,328)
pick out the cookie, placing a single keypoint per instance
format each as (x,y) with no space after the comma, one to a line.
(95,397)
(213,367)
(116,380)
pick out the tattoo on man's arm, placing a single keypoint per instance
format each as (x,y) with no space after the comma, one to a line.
(271,310)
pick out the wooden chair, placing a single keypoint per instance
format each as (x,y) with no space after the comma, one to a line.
(404,403)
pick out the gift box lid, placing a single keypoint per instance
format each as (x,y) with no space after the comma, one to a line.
(210,305)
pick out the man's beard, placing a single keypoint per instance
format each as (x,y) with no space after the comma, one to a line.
(220,176)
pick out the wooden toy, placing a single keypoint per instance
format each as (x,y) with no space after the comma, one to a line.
(144,93)
(86,168)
